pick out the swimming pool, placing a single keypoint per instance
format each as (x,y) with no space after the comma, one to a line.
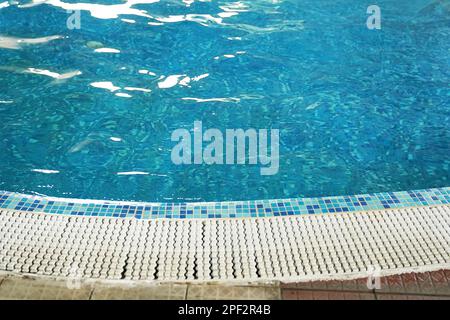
(109,109)
(89,112)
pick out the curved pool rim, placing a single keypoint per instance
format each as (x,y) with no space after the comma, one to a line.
(289,240)
(226,209)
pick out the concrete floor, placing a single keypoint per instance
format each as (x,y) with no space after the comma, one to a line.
(19,288)
(430,285)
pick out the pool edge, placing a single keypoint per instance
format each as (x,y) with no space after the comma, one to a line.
(224,209)
(289,249)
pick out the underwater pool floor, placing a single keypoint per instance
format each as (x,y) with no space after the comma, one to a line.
(289,248)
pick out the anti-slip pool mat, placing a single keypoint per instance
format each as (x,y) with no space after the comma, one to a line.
(296,248)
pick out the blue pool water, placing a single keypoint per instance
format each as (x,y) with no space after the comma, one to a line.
(359,110)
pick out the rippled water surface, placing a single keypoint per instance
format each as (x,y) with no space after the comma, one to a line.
(89,112)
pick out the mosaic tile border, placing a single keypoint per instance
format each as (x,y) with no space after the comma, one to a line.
(232,209)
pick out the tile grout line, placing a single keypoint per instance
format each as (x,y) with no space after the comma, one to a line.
(374,293)
(91,294)
(187,292)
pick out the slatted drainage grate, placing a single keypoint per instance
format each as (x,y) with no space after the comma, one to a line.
(298,248)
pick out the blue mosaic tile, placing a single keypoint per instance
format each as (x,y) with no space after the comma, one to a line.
(238,209)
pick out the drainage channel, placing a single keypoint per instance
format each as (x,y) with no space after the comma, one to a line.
(299,248)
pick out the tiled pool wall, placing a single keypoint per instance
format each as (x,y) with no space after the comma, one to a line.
(233,209)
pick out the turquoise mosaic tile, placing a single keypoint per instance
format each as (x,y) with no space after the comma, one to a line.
(236,209)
